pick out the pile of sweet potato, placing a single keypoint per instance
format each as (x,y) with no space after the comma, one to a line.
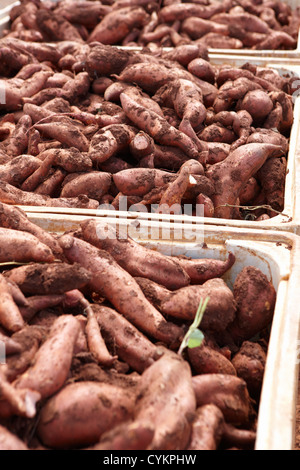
(228,24)
(83,125)
(92,324)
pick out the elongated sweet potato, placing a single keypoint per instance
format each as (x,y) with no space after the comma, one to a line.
(95,340)
(94,185)
(117,24)
(139,261)
(128,342)
(120,288)
(81,412)
(9,441)
(53,360)
(169,376)
(36,303)
(230,175)
(157,127)
(11,195)
(207,428)
(16,219)
(21,246)
(201,270)
(49,278)
(10,315)
(134,436)
(109,141)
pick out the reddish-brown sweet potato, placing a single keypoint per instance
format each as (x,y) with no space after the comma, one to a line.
(227,392)
(139,261)
(53,360)
(81,412)
(169,376)
(120,288)
(255,296)
(207,428)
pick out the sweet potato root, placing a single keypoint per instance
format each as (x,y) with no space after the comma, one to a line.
(230,175)
(201,270)
(184,302)
(10,315)
(49,278)
(255,297)
(16,219)
(9,194)
(81,412)
(133,257)
(9,441)
(126,340)
(106,281)
(169,375)
(22,247)
(250,363)
(53,360)
(207,428)
(228,393)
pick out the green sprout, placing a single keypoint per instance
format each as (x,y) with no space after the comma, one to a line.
(194,337)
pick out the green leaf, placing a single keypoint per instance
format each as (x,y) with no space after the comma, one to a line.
(195,339)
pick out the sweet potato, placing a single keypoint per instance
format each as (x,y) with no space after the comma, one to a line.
(249,363)
(239,438)
(109,141)
(117,24)
(18,141)
(134,436)
(184,302)
(19,402)
(93,184)
(53,360)
(140,181)
(10,441)
(29,339)
(255,297)
(201,270)
(49,278)
(10,315)
(52,184)
(157,127)
(95,341)
(207,428)
(22,247)
(206,359)
(36,303)
(11,195)
(258,104)
(171,199)
(55,27)
(81,412)
(272,177)
(230,175)
(106,281)
(133,257)
(181,11)
(11,346)
(128,342)
(18,169)
(169,376)
(65,132)
(228,393)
